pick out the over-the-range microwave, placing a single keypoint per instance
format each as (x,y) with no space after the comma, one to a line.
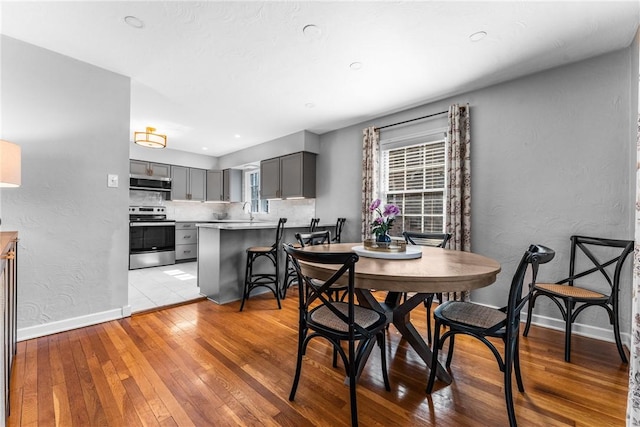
(149,183)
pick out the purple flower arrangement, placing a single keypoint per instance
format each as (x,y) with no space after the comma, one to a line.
(384,221)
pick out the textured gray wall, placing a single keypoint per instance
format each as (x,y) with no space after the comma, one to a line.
(72,121)
(553,154)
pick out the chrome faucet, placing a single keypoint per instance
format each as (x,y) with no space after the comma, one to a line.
(250,212)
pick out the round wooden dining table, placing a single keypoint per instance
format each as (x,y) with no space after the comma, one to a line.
(437,270)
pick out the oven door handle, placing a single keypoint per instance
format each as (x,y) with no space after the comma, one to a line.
(152,224)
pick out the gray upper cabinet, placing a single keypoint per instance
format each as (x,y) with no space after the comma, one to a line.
(197,184)
(143,168)
(293,175)
(187,183)
(270,178)
(214,186)
(232,185)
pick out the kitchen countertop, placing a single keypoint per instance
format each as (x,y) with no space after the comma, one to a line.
(248,225)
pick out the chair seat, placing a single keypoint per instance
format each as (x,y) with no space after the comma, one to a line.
(570,291)
(469,314)
(365,317)
(260,249)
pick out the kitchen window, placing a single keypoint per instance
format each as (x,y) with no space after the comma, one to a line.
(252,192)
(413,178)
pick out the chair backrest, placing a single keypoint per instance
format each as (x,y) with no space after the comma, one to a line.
(339,227)
(600,253)
(314,238)
(313,292)
(313,224)
(532,258)
(438,240)
(279,233)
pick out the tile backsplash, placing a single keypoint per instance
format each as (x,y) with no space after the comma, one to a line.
(299,211)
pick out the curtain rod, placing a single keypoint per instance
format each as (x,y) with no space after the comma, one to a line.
(413,120)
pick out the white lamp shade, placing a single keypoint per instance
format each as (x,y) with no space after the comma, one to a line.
(10,173)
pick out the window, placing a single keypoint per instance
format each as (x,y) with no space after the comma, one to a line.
(252,192)
(413,178)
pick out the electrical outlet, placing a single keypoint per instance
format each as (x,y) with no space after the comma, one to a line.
(112,180)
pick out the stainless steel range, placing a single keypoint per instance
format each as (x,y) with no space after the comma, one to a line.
(152,237)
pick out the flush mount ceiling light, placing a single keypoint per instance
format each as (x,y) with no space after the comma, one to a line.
(150,139)
(311,31)
(134,22)
(477,36)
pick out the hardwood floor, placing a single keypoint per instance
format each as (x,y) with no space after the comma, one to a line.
(205,364)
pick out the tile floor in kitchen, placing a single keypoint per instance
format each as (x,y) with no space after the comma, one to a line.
(159,286)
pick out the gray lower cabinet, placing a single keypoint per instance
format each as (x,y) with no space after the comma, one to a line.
(288,176)
(188,183)
(186,241)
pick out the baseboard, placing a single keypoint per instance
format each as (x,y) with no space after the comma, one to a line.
(38,331)
(603,334)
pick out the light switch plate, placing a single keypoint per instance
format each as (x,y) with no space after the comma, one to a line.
(112,180)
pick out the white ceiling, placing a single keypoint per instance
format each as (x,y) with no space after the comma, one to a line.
(229,75)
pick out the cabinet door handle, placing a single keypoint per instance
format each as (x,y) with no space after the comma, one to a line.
(186,237)
(187,252)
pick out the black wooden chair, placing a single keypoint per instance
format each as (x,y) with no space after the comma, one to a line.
(339,227)
(290,277)
(270,280)
(336,321)
(588,255)
(303,239)
(438,240)
(481,322)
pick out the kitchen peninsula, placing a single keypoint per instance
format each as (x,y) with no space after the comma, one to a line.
(222,254)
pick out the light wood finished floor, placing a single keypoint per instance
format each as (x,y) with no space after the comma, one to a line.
(203,364)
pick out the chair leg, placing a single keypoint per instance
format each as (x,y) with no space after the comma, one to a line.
(616,334)
(383,356)
(353,369)
(301,337)
(452,340)
(427,306)
(434,357)
(531,303)
(567,332)
(247,277)
(516,364)
(508,392)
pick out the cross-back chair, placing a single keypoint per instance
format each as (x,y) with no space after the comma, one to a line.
(590,256)
(482,322)
(438,240)
(339,226)
(336,321)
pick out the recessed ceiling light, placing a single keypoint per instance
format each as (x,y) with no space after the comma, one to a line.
(309,105)
(236,136)
(355,66)
(311,31)
(205,148)
(134,22)
(476,37)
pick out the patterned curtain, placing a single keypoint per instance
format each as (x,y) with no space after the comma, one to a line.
(370,170)
(458,203)
(633,400)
